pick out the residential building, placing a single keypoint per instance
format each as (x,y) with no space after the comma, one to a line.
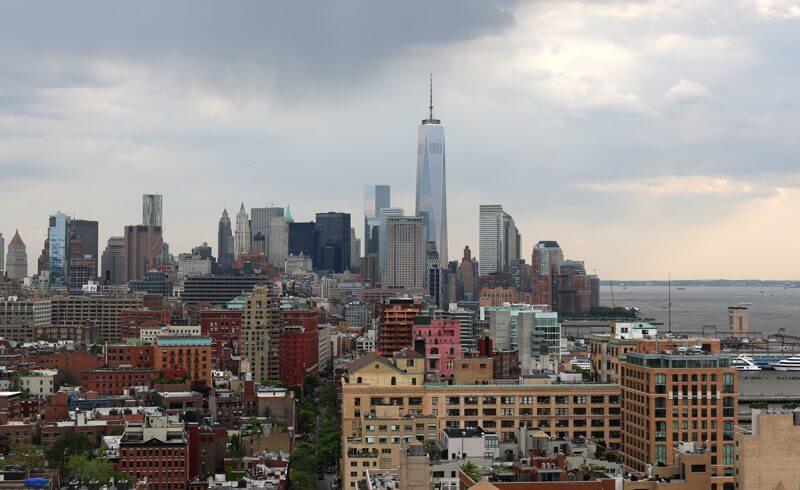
(356,314)
(767,453)
(17,258)
(431,196)
(669,398)
(384,215)
(19,319)
(39,382)
(261,327)
(100,312)
(406,265)
(2,255)
(155,450)
(440,340)
(190,355)
(115,380)
(58,248)
(152,210)
(149,335)
(223,327)
(395,324)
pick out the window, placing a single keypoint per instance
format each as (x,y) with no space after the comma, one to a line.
(661,454)
(727,454)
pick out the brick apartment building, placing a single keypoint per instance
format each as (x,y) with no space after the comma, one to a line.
(395,325)
(223,327)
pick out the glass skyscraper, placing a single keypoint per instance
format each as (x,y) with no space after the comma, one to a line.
(376,198)
(58,243)
(431,201)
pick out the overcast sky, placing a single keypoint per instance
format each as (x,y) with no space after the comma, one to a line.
(646,137)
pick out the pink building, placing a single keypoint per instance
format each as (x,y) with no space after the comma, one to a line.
(442,343)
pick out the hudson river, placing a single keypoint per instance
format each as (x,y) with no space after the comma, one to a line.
(693,307)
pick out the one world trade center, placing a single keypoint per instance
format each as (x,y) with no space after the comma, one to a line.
(432,183)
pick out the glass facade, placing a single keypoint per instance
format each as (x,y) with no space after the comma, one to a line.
(431,199)
(58,240)
(376,198)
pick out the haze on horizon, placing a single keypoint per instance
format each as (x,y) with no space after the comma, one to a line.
(646,137)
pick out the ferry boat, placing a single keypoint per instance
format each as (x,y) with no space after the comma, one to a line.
(745,363)
(790,364)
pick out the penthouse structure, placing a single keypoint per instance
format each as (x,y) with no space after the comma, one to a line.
(671,398)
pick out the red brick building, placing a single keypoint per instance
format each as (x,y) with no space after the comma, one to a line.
(223,327)
(74,362)
(206,450)
(191,355)
(156,450)
(131,321)
(114,380)
(396,320)
(129,355)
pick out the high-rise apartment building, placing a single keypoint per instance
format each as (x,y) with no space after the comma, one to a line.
(225,244)
(112,264)
(152,210)
(671,398)
(143,246)
(242,237)
(2,254)
(261,329)
(332,242)
(406,265)
(499,243)
(433,274)
(17,258)
(546,258)
(376,198)
(395,324)
(431,198)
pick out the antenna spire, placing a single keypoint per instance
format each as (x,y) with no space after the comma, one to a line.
(430,96)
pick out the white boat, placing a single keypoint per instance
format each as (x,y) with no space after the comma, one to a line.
(745,363)
(790,364)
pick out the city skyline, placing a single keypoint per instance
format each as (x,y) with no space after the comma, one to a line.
(619,133)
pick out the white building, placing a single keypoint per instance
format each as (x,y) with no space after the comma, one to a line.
(278,241)
(193,265)
(499,239)
(406,264)
(150,335)
(39,382)
(325,347)
(241,238)
(471,442)
(634,330)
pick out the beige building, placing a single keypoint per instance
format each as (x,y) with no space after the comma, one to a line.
(768,455)
(738,321)
(19,319)
(39,382)
(149,335)
(260,334)
(385,403)
(691,470)
(101,312)
(405,252)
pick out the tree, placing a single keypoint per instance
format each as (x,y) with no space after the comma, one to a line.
(27,455)
(327,398)
(471,470)
(307,417)
(310,385)
(234,448)
(81,468)
(301,480)
(303,458)
(70,444)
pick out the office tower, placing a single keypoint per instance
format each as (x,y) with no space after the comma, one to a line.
(17,258)
(151,210)
(405,252)
(301,238)
(242,237)
(143,246)
(112,270)
(58,248)
(683,397)
(83,258)
(376,197)
(434,274)
(261,222)
(258,244)
(572,287)
(355,250)
(385,214)
(332,242)
(2,254)
(468,277)
(395,324)
(499,244)
(431,201)
(370,270)
(153,282)
(225,241)
(202,251)
(546,258)
(261,327)
(86,232)
(278,240)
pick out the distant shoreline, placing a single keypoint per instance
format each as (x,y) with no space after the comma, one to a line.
(708,282)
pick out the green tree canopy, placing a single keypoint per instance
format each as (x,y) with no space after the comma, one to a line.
(70,444)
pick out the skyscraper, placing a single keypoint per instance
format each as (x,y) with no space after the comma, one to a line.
(384,215)
(301,238)
(431,202)
(17,258)
(58,254)
(278,240)
(332,242)
(143,246)
(546,258)
(225,241)
(151,210)
(242,237)
(112,270)
(261,326)
(499,244)
(376,198)
(405,252)
(2,254)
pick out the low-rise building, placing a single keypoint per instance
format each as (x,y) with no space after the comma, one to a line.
(155,450)
(767,455)
(39,382)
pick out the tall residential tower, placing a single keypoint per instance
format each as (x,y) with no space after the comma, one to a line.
(431,201)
